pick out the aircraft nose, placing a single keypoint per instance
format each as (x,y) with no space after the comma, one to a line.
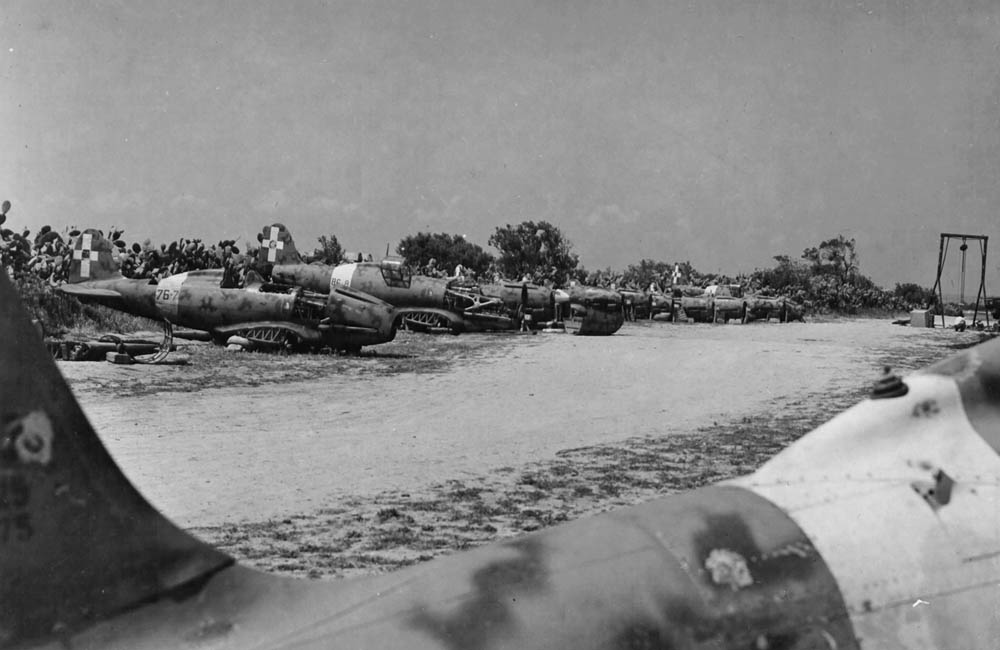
(381,316)
(387,323)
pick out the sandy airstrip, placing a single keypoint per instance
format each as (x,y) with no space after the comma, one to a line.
(238,446)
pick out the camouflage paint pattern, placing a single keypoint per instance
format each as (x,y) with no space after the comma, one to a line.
(459,307)
(195,299)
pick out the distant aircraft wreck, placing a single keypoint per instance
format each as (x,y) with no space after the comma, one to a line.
(264,313)
(424,302)
(878,530)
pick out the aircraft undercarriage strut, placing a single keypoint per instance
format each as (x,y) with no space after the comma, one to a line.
(423,320)
(166,344)
(274,338)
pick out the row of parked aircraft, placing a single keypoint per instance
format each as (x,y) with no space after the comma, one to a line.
(314,305)
(879,530)
(350,305)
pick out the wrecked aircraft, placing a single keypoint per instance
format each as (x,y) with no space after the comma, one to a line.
(581,309)
(264,314)
(878,530)
(649,303)
(425,302)
(422,302)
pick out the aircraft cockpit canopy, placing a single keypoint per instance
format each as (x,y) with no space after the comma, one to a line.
(396,273)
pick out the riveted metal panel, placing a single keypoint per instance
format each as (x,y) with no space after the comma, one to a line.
(901,498)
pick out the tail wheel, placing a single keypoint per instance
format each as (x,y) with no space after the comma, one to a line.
(745,314)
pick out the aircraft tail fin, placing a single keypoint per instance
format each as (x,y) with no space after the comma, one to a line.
(252,279)
(92,258)
(277,246)
(79,543)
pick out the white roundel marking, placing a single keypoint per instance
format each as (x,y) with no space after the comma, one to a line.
(342,275)
(167,295)
(34,438)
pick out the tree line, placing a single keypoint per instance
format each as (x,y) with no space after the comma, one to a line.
(825,278)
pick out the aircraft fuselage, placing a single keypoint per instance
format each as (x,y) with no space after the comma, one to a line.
(392,283)
(418,298)
(196,301)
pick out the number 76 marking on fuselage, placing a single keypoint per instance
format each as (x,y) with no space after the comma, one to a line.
(166,295)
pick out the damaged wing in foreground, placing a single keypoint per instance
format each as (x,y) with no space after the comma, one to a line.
(880,529)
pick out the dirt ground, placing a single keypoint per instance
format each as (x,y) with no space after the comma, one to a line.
(325,466)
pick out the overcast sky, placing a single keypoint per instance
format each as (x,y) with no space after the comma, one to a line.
(717,132)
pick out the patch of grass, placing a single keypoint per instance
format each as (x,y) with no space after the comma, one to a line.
(462,493)
(59,314)
(388,514)
(394,537)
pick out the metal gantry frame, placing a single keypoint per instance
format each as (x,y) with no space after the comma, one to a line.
(946,238)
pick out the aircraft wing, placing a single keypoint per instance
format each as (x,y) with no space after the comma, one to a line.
(486,320)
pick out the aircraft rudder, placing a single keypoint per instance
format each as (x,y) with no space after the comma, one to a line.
(277,246)
(92,257)
(79,542)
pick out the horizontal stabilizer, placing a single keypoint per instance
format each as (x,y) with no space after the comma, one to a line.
(84,292)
